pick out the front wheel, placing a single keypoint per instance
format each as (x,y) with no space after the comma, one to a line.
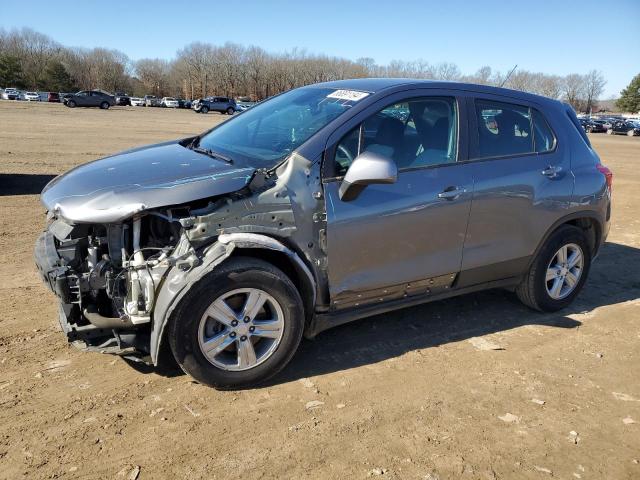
(204,109)
(238,326)
(610,132)
(630,133)
(230,111)
(71,104)
(104,105)
(558,272)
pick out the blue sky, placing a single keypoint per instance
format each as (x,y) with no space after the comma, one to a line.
(557,37)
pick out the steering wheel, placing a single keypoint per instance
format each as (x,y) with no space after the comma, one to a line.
(345,154)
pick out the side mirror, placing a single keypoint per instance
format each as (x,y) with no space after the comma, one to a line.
(367,168)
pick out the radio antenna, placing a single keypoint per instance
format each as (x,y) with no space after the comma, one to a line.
(507,77)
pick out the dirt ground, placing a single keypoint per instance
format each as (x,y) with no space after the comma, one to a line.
(472,387)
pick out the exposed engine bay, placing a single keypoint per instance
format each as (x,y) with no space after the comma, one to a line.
(107,275)
(118,282)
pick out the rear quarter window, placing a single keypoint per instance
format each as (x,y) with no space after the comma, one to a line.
(576,124)
(543,138)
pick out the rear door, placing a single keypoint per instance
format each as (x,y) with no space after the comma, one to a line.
(402,239)
(95,99)
(218,104)
(522,185)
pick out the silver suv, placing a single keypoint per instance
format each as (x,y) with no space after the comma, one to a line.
(322,205)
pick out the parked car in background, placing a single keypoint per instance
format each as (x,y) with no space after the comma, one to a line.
(182,103)
(320,206)
(242,106)
(169,102)
(592,126)
(90,98)
(10,94)
(624,127)
(123,99)
(215,104)
(53,97)
(151,101)
(31,96)
(136,102)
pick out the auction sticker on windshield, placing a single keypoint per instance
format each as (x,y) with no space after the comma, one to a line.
(351,95)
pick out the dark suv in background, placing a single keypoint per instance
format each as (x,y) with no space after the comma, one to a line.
(624,127)
(215,104)
(89,98)
(325,204)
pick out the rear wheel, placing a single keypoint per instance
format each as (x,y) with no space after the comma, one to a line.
(238,326)
(610,131)
(558,271)
(630,133)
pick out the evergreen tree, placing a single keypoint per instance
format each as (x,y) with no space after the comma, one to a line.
(56,78)
(629,100)
(10,72)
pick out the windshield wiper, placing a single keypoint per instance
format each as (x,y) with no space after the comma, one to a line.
(212,154)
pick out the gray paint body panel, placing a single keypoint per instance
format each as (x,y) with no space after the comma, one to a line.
(397,233)
(112,189)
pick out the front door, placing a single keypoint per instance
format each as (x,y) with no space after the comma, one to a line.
(402,239)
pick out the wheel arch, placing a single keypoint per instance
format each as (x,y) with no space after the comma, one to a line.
(587,220)
(227,246)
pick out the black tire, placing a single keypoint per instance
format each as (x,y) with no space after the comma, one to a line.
(235,273)
(71,104)
(231,111)
(204,109)
(532,291)
(104,105)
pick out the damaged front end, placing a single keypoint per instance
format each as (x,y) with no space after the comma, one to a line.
(107,276)
(119,281)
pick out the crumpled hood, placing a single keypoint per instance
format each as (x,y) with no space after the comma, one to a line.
(112,189)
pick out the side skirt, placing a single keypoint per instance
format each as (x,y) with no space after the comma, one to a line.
(325,321)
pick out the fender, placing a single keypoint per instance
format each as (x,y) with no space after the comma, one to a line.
(591,214)
(178,281)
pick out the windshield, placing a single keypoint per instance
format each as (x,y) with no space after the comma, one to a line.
(270,131)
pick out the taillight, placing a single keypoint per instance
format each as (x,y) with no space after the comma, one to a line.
(608,175)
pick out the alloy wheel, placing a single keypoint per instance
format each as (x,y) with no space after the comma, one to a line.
(564,271)
(241,329)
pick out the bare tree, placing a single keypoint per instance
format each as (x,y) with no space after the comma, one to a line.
(202,69)
(594,83)
(574,90)
(154,74)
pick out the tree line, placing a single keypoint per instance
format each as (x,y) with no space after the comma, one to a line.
(32,60)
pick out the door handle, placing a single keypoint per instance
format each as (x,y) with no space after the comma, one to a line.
(451,193)
(552,171)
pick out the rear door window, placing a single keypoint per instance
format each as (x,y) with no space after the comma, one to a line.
(503,129)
